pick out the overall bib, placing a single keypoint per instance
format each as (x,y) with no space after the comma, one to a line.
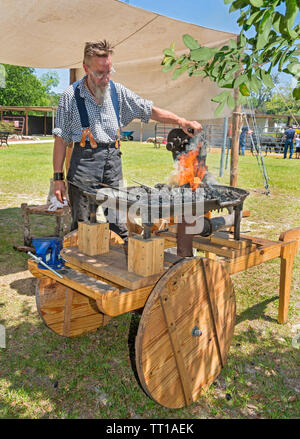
(93,163)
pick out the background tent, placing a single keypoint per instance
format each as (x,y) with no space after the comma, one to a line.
(51,34)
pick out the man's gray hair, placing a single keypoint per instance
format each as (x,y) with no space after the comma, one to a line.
(97,48)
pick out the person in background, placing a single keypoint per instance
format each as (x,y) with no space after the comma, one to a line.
(242,144)
(289,141)
(298,146)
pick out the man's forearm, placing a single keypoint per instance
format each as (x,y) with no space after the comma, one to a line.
(59,154)
(165,116)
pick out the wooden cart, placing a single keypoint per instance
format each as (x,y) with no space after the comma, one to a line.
(188,304)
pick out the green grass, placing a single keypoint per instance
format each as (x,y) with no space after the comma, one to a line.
(43,375)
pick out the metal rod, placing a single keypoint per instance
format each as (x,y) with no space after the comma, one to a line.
(144,185)
(40,261)
(221,173)
(237,220)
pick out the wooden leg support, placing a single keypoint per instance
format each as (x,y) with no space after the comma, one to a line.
(26,222)
(287,255)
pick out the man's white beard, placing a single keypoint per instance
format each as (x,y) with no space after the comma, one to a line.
(100,94)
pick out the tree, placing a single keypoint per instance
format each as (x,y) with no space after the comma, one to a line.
(264,95)
(22,87)
(50,80)
(245,63)
(283,102)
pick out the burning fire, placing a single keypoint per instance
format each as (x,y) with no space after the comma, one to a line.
(191,170)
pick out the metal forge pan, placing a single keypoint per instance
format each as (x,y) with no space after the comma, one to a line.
(165,202)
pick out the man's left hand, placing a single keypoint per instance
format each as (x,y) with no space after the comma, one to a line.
(188,125)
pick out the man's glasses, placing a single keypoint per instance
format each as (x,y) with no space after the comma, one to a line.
(102,75)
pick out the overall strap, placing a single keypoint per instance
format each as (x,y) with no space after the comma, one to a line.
(115,101)
(84,118)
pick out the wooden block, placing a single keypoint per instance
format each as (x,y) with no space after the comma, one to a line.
(93,238)
(145,256)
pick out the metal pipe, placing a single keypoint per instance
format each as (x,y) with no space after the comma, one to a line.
(221,173)
(40,261)
(184,240)
(237,220)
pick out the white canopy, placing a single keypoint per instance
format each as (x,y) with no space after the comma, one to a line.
(51,34)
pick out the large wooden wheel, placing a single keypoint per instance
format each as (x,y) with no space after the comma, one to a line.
(66,311)
(185,331)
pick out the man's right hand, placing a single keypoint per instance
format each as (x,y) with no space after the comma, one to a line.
(60,190)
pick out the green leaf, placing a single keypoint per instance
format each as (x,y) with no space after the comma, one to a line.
(202,54)
(291,13)
(276,21)
(264,30)
(293,68)
(243,40)
(221,97)
(198,73)
(254,17)
(283,58)
(244,90)
(168,66)
(169,52)
(227,2)
(232,44)
(296,93)
(257,3)
(224,84)
(240,80)
(242,99)
(230,102)
(219,109)
(267,78)
(179,72)
(190,42)
(230,73)
(255,84)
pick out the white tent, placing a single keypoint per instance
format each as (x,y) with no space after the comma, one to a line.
(52,33)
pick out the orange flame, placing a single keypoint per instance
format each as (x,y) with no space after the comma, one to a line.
(191,171)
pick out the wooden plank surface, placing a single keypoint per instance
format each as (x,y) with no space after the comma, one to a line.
(111,266)
(76,280)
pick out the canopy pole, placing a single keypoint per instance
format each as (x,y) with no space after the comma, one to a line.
(236,128)
(52,119)
(141,132)
(72,76)
(26,116)
(221,172)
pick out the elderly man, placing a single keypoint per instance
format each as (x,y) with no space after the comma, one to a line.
(90,113)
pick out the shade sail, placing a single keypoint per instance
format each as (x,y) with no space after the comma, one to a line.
(51,34)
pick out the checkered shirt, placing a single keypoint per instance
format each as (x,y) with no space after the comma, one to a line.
(102,118)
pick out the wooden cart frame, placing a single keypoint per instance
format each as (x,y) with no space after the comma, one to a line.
(178,353)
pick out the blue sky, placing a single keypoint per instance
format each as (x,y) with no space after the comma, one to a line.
(209,13)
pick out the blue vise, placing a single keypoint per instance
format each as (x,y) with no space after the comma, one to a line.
(49,250)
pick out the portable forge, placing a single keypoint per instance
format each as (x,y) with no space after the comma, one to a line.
(187,303)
